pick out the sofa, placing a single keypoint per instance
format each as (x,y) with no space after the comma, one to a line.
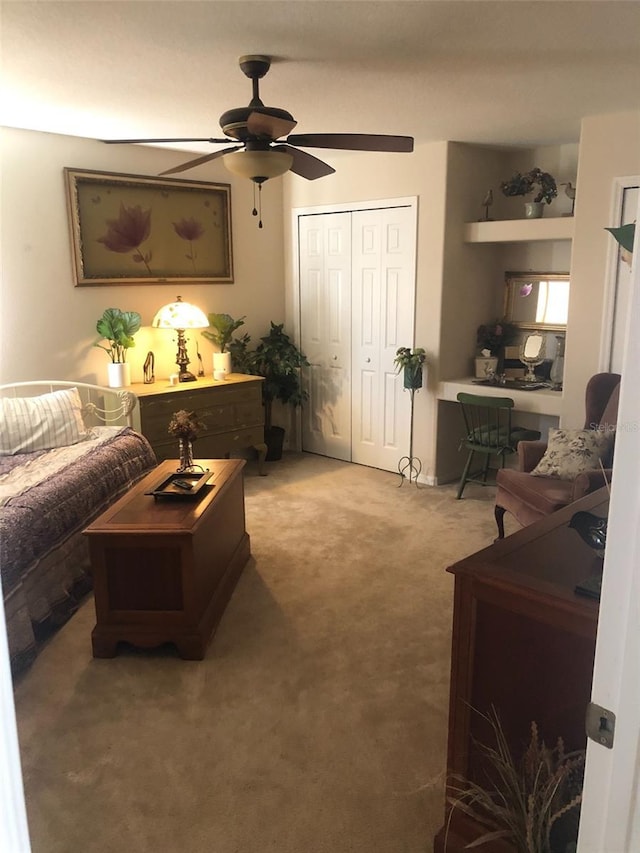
(67,452)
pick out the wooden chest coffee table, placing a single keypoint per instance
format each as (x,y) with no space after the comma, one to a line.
(164,569)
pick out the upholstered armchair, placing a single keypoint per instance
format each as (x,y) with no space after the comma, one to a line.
(529,497)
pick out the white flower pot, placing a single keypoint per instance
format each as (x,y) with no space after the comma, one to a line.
(119,374)
(533,209)
(221,364)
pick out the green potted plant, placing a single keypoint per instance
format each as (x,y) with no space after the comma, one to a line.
(279,360)
(525,184)
(221,328)
(118,328)
(410,362)
(491,339)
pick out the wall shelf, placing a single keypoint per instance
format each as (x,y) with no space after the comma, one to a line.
(519,230)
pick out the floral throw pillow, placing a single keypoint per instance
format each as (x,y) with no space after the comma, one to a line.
(572,451)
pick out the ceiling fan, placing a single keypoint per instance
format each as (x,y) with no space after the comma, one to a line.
(262,152)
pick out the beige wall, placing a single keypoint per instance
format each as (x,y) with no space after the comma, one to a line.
(609,148)
(48,325)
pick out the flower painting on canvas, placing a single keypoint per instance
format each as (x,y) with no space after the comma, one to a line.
(129,229)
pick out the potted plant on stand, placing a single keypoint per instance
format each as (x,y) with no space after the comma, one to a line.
(279,360)
(118,328)
(222,327)
(411,365)
(524,184)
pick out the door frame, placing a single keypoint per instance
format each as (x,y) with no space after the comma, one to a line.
(620,188)
(319,209)
(610,815)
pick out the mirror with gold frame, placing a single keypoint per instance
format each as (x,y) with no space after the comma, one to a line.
(536,300)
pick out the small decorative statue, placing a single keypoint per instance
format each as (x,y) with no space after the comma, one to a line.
(570,192)
(200,364)
(148,367)
(487,202)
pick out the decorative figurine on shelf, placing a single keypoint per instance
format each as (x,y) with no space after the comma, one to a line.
(487,202)
(570,192)
(200,364)
(148,368)
(557,365)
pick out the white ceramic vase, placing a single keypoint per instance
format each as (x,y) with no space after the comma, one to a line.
(221,365)
(119,374)
(533,209)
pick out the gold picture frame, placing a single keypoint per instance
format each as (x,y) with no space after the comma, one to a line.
(537,300)
(133,229)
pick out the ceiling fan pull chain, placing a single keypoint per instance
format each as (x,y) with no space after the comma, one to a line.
(260,204)
(254,212)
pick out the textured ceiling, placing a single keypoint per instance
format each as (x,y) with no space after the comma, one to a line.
(508,73)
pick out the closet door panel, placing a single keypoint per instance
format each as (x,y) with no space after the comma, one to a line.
(383,316)
(325,328)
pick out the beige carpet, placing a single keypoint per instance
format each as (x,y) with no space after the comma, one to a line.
(317,722)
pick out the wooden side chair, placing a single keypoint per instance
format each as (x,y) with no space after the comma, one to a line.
(488,432)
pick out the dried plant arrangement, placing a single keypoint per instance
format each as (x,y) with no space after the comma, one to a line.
(185,425)
(533,803)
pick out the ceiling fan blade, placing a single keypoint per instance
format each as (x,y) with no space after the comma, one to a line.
(353,141)
(262,124)
(200,160)
(306,165)
(131,141)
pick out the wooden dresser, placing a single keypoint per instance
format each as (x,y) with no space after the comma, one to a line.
(231,410)
(523,642)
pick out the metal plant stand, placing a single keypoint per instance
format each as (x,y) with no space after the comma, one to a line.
(410,463)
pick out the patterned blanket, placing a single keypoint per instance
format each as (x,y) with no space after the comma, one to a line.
(47,499)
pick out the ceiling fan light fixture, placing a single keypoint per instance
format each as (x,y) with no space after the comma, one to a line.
(258,166)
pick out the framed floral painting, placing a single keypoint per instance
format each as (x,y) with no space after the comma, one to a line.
(131,229)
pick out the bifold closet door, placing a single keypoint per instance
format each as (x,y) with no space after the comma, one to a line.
(357,300)
(382,319)
(325,332)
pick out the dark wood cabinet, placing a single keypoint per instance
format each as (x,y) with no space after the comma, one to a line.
(231,410)
(523,643)
(164,569)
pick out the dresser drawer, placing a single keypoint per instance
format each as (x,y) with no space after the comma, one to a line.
(218,445)
(232,414)
(213,446)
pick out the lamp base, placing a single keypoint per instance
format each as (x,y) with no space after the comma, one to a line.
(186,376)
